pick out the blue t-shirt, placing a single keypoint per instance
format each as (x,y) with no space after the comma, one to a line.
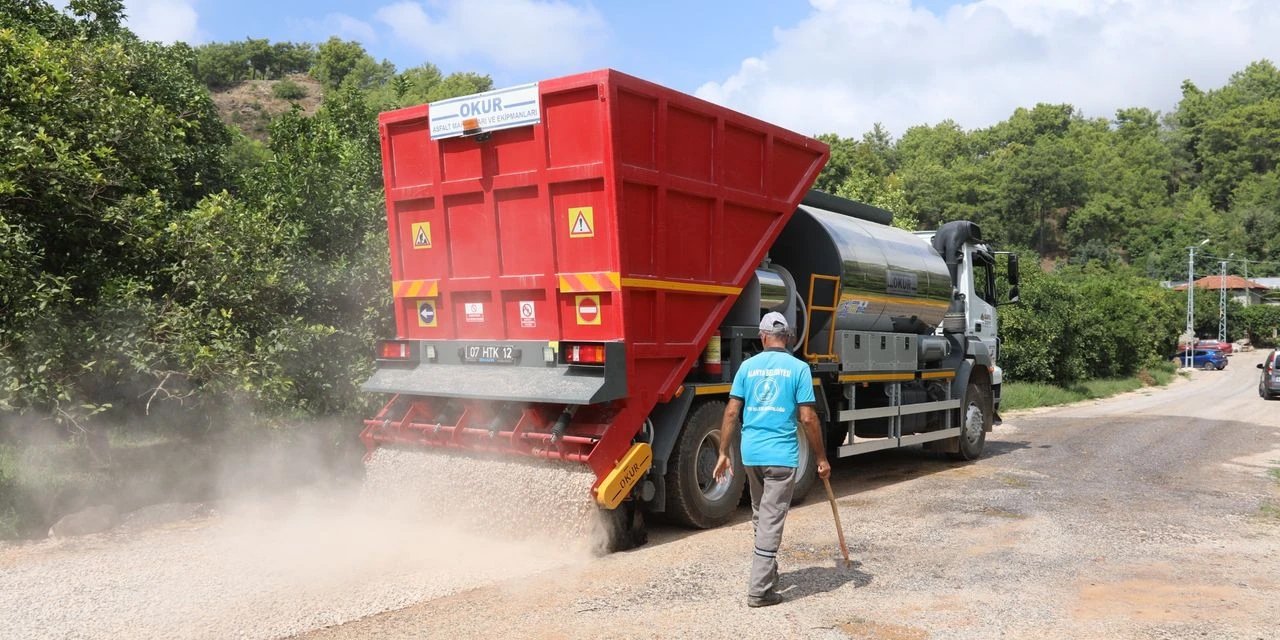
(772,385)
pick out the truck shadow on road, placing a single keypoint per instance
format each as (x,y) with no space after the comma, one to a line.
(808,581)
(855,475)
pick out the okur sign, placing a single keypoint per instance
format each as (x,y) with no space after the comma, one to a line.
(484,112)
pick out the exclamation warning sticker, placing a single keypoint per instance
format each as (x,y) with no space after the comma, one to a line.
(582,222)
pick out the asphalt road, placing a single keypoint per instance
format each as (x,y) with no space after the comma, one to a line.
(1149,515)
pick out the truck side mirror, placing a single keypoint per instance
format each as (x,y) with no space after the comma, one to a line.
(1011,275)
(1260,366)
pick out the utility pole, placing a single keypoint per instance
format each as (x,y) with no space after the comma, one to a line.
(1222,303)
(1248,292)
(1191,303)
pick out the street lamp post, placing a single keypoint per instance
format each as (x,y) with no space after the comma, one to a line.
(1191,302)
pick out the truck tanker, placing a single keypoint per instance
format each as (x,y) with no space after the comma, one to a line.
(579,267)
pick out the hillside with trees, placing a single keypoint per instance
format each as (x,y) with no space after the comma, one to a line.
(163,265)
(1107,206)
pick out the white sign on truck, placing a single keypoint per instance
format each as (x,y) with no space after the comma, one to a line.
(482,112)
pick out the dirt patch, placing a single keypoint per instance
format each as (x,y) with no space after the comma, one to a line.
(1156,597)
(251,105)
(870,630)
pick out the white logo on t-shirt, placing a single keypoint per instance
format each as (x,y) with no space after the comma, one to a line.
(766,390)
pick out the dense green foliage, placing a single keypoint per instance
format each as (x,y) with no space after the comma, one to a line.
(1261,323)
(153,261)
(1135,189)
(223,64)
(1108,205)
(1088,322)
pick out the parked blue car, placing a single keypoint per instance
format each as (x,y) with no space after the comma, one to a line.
(1207,359)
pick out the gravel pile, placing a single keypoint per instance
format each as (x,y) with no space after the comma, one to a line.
(519,499)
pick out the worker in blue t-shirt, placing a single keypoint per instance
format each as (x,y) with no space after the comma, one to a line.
(768,392)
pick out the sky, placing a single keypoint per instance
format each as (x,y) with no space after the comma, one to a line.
(818,66)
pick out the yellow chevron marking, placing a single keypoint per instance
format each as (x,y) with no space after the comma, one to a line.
(589,282)
(415,288)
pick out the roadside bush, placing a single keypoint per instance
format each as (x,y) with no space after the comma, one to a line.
(1261,323)
(289,90)
(1080,323)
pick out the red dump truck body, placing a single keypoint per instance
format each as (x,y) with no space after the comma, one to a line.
(621,226)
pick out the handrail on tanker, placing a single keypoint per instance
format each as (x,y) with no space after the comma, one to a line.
(808,323)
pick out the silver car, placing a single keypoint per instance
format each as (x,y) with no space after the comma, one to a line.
(1269,385)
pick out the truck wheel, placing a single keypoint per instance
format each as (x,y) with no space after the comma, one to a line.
(806,472)
(694,497)
(623,528)
(975,419)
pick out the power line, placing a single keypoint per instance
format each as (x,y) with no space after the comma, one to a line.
(1244,260)
(1274,265)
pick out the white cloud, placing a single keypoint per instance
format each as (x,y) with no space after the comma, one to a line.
(514,34)
(852,63)
(163,20)
(338,24)
(352,28)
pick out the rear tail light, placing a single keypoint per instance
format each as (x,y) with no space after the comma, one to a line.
(583,353)
(396,350)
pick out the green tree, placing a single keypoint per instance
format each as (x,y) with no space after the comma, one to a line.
(336,59)
(106,136)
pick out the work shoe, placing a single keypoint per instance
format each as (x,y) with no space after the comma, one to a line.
(766,600)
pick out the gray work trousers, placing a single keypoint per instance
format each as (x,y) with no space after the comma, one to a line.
(771,489)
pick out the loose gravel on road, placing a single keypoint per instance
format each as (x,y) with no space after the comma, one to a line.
(1146,516)
(293,564)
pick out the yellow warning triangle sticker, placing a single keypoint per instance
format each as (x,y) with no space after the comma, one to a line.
(422,235)
(580,226)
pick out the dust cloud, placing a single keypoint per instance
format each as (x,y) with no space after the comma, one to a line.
(423,525)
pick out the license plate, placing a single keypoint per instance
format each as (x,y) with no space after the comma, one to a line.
(490,354)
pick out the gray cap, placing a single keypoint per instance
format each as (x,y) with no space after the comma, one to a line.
(774,322)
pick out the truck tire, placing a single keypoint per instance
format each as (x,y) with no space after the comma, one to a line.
(806,472)
(694,497)
(623,528)
(975,420)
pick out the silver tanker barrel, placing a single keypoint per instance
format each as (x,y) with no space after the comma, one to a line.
(889,279)
(772,289)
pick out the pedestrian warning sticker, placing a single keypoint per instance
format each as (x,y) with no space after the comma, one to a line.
(582,222)
(528,314)
(421,235)
(474,311)
(588,308)
(426,313)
